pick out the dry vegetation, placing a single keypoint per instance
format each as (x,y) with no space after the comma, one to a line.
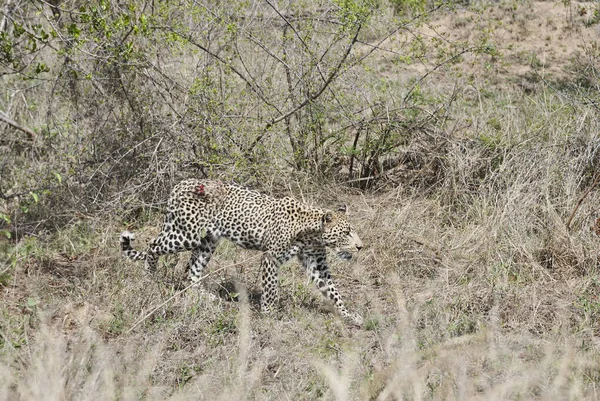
(465,144)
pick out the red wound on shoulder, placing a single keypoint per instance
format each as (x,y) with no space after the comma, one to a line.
(200,190)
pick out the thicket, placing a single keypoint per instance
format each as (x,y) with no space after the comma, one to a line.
(473,188)
(106,104)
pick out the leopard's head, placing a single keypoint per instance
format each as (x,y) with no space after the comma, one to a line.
(339,234)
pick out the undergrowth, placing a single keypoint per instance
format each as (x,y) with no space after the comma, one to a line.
(473,185)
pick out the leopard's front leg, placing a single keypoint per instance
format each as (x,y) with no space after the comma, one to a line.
(318,270)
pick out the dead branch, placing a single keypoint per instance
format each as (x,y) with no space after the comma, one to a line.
(580,201)
(19,194)
(31,135)
(335,72)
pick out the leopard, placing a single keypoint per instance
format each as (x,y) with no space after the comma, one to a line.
(202,212)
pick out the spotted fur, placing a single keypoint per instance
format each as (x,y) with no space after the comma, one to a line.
(202,212)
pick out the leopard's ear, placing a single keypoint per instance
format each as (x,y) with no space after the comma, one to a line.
(327,217)
(342,208)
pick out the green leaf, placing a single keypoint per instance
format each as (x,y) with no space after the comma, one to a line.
(5,217)
(4,279)
(41,67)
(35,197)
(73,30)
(58,177)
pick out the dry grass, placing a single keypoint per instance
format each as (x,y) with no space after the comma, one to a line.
(533,37)
(470,283)
(476,291)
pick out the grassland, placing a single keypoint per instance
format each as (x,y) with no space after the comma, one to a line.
(479,279)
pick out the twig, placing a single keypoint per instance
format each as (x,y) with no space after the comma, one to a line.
(5,16)
(448,60)
(32,135)
(398,28)
(335,72)
(16,195)
(9,344)
(290,25)
(581,199)
(360,179)
(185,289)
(252,85)
(354,145)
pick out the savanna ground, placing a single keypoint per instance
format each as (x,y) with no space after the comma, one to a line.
(463,138)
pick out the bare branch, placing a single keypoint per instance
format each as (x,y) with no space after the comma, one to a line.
(398,28)
(439,65)
(5,15)
(335,72)
(580,201)
(288,24)
(255,88)
(27,192)
(32,135)
(332,75)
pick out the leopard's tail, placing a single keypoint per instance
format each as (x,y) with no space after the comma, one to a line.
(126,248)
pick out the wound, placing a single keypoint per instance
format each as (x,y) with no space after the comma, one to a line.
(200,190)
